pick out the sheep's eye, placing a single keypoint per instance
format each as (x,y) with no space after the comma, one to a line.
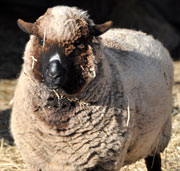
(40,40)
(78,42)
(81,46)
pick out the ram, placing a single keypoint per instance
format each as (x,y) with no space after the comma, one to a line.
(88,102)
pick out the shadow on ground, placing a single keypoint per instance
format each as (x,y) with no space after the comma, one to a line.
(4,126)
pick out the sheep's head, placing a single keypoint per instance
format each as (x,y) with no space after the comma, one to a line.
(66,48)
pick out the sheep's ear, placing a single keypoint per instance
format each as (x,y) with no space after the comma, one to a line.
(102,28)
(25,26)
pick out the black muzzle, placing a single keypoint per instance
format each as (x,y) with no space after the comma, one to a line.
(54,75)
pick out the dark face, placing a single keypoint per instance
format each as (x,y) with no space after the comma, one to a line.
(62,70)
(68,63)
(54,69)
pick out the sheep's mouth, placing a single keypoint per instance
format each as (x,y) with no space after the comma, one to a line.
(54,82)
(71,82)
(69,88)
(53,86)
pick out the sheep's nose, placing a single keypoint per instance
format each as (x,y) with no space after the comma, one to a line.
(54,69)
(54,75)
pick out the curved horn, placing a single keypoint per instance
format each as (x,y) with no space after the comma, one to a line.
(25,26)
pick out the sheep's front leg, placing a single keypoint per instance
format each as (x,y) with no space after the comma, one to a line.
(153,163)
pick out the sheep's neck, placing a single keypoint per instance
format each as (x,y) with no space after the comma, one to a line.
(63,113)
(99,87)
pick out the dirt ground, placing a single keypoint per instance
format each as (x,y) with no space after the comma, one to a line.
(10,159)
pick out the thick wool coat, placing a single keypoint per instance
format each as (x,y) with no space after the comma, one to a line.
(122,115)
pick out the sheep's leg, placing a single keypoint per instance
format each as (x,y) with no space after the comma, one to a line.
(153,163)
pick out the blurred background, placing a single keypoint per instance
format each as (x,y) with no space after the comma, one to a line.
(160,18)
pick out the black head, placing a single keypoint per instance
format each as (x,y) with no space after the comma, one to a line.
(60,70)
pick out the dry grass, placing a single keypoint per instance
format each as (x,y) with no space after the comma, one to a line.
(10,159)
(6,93)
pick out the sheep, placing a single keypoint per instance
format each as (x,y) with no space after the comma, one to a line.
(90,98)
